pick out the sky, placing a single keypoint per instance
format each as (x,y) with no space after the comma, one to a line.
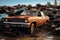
(26,2)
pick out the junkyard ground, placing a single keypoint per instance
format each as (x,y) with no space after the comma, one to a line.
(24,35)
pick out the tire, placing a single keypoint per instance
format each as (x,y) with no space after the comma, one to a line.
(32,28)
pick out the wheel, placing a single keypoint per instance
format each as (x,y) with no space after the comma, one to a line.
(32,28)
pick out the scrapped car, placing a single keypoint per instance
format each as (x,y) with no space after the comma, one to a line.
(56,21)
(26,18)
(56,24)
(2,15)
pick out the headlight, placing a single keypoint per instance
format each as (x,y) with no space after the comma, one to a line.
(26,20)
(4,20)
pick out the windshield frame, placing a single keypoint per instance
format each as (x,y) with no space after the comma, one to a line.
(29,13)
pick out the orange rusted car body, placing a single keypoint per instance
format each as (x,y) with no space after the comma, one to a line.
(26,20)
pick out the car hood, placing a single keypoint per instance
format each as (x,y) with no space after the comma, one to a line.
(17,16)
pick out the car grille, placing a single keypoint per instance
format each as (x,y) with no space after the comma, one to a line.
(15,20)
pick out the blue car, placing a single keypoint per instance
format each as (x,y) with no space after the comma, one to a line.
(2,15)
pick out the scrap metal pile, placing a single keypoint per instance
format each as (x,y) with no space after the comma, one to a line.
(13,12)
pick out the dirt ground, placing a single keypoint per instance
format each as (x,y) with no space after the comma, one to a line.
(24,35)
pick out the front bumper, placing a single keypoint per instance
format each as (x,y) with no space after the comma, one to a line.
(17,24)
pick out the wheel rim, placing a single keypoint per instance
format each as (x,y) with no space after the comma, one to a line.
(32,28)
